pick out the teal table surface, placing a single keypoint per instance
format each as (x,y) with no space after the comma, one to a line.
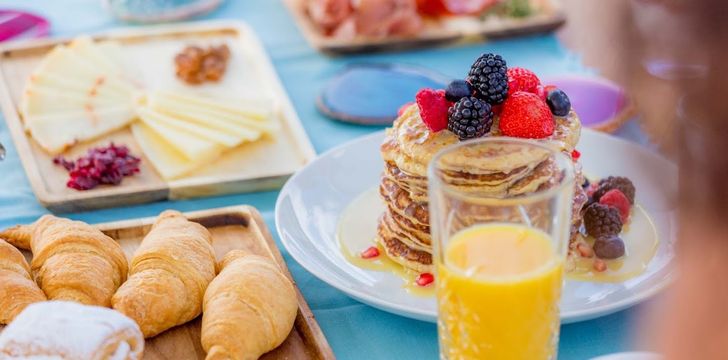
(354,330)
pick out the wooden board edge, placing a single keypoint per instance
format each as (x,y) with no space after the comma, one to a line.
(313,330)
(538,24)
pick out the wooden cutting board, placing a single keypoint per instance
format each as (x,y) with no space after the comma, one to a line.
(435,32)
(232,228)
(261,165)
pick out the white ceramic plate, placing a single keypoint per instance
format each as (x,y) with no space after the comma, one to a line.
(639,355)
(311,203)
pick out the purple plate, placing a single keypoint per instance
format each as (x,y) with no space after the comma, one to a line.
(601,104)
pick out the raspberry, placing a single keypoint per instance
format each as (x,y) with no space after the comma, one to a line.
(616,182)
(433,108)
(520,79)
(524,115)
(616,199)
(575,155)
(602,220)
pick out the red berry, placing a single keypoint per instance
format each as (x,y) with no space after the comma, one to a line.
(525,115)
(616,199)
(403,108)
(520,79)
(370,253)
(433,108)
(425,279)
(496,109)
(575,155)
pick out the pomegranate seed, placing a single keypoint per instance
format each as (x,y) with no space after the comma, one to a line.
(370,252)
(425,279)
(575,155)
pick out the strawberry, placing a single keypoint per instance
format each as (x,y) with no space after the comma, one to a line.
(616,199)
(520,79)
(525,115)
(433,108)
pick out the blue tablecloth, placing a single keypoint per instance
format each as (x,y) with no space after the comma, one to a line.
(354,330)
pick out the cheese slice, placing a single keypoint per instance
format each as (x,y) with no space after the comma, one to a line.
(260,109)
(190,144)
(221,137)
(85,47)
(168,161)
(211,115)
(56,132)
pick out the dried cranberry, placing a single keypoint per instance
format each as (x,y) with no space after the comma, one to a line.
(103,165)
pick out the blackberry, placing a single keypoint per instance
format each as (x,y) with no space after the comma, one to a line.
(457,90)
(469,118)
(602,221)
(623,184)
(610,247)
(489,78)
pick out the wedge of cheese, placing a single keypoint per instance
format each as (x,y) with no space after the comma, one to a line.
(76,94)
(169,162)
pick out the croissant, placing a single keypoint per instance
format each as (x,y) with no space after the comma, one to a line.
(17,288)
(251,298)
(169,274)
(68,330)
(71,259)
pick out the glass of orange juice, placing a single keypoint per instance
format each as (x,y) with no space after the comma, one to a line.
(500,215)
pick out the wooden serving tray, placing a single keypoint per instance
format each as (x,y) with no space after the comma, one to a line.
(261,165)
(239,227)
(435,33)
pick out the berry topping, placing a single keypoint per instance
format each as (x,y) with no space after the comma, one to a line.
(602,220)
(469,118)
(616,199)
(575,155)
(457,90)
(403,108)
(558,102)
(424,279)
(610,247)
(433,108)
(524,115)
(370,253)
(520,79)
(616,182)
(102,165)
(489,78)
(586,184)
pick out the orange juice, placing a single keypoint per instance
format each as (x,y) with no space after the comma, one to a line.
(498,289)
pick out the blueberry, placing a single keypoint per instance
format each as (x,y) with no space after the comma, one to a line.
(610,247)
(457,90)
(558,102)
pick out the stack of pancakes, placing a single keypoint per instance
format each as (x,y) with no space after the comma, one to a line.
(404,230)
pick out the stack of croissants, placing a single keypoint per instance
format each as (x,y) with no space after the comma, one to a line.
(248,305)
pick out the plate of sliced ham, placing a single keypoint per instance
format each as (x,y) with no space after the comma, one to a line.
(349,26)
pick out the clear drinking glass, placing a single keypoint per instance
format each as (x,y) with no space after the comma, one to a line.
(500,215)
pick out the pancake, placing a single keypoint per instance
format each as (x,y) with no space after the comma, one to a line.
(404,231)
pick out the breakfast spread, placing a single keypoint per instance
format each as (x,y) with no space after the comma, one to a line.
(83,91)
(69,330)
(494,101)
(196,65)
(71,260)
(172,279)
(17,288)
(250,296)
